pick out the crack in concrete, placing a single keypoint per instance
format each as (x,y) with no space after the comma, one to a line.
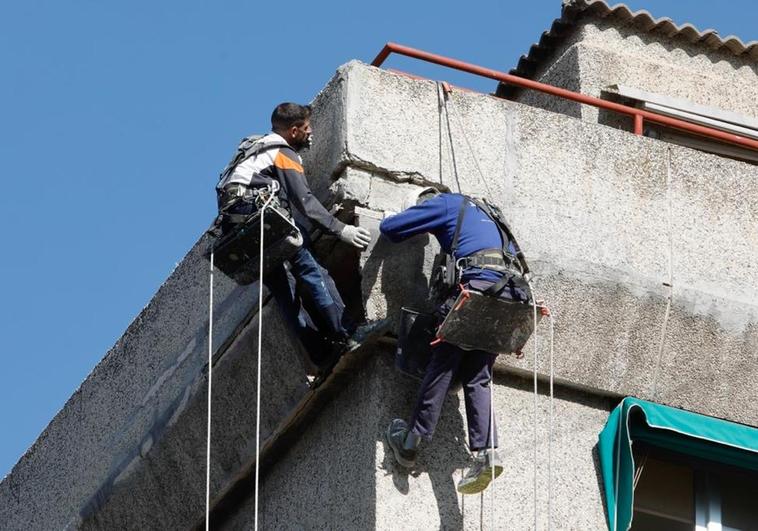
(398,176)
(670,285)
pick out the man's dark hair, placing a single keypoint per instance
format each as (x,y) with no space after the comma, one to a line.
(288,115)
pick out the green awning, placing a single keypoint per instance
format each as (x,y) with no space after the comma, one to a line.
(670,428)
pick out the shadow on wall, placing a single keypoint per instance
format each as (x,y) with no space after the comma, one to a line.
(398,271)
(442,458)
(599,475)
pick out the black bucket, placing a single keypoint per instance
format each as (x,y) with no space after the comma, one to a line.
(413,352)
(417,331)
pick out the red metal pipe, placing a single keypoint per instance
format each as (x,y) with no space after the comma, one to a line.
(421,78)
(638,122)
(638,114)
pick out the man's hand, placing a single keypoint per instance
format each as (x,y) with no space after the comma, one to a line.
(355,236)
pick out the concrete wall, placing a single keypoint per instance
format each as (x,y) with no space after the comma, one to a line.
(128,448)
(341,473)
(129,398)
(601,53)
(645,253)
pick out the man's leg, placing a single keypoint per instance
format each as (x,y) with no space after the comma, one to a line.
(476,373)
(282,287)
(404,438)
(439,373)
(315,281)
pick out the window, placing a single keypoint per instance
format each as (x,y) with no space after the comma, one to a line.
(666,468)
(681,109)
(676,493)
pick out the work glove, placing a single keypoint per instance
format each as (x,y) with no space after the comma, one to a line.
(355,236)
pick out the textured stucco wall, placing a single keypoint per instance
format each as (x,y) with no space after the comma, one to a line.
(645,253)
(129,398)
(341,474)
(600,54)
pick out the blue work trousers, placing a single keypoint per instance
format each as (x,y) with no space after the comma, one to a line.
(474,369)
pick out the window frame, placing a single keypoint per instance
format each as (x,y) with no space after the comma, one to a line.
(706,485)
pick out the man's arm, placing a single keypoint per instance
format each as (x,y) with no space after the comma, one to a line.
(426,217)
(290,174)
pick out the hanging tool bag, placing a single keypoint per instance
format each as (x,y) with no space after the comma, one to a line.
(498,318)
(236,253)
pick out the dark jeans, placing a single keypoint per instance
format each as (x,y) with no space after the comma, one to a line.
(474,369)
(318,315)
(323,299)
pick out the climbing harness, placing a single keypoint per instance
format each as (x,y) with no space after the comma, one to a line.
(266,201)
(236,251)
(474,309)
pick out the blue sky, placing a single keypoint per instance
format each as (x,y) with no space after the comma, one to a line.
(116,117)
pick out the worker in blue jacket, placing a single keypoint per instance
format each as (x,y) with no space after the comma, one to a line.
(437,213)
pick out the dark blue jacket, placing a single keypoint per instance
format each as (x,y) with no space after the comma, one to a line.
(438,217)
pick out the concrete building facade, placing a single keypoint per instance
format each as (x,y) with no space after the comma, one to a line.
(645,252)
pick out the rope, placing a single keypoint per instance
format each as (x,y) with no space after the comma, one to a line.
(492,449)
(210,383)
(272,195)
(534,428)
(550,432)
(471,149)
(442,89)
(638,472)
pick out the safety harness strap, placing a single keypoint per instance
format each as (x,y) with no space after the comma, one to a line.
(493,259)
(505,232)
(458,223)
(249,147)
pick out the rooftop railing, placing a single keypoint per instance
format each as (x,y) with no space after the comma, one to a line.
(639,115)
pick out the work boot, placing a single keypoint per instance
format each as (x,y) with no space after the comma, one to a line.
(368,331)
(478,476)
(333,351)
(404,444)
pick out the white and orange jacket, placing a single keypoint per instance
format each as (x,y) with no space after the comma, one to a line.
(275,160)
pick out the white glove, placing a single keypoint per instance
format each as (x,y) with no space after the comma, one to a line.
(355,236)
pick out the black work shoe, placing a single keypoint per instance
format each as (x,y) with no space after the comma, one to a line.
(404,444)
(368,331)
(480,474)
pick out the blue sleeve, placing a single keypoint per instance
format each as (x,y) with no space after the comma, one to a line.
(426,217)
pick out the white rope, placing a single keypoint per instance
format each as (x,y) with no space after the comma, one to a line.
(638,472)
(442,92)
(492,449)
(210,382)
(550,432)
(471,149)
(534,427)
(272,194)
